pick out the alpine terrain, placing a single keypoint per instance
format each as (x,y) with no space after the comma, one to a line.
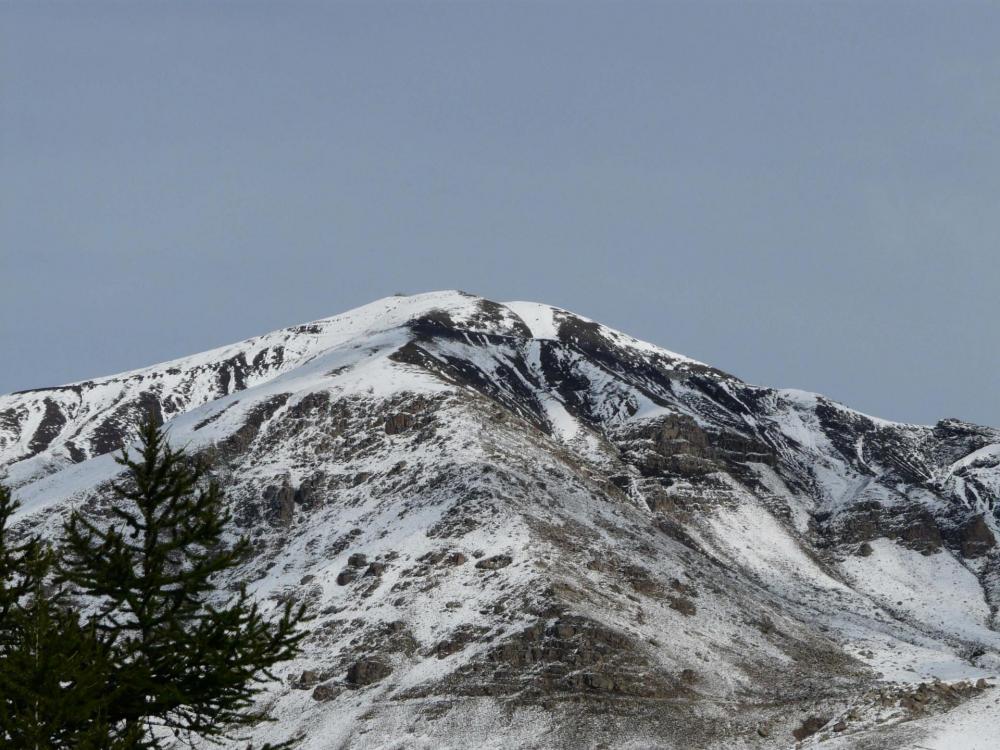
(518,528)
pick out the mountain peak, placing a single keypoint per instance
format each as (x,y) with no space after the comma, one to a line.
(506,509)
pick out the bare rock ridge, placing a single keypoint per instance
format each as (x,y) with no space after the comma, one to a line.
(520,528)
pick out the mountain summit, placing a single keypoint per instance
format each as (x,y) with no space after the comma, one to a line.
(519,528)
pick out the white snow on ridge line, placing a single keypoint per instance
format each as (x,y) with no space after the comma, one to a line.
(371,373)
(985,453)
(810,400)
(375,317)
(195,377)
(542,321)
(380,315)
(539,318)
(194,380)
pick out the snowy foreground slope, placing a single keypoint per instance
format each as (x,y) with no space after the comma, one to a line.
(518,528)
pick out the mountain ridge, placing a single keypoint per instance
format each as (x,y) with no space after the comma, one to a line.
(563,539)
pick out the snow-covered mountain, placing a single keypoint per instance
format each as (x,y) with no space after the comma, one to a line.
(519,528)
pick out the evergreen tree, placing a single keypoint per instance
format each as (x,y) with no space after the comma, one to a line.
(15,583)
(182,660)
(53,671)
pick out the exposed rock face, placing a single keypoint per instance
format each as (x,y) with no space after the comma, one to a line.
(398,423)
(569,656)
(494,563)
(809,727)
(307,679)
(326,692)
(346,576)
(976,537)
(53,420)
(281,504)
(367,671)
(519,528)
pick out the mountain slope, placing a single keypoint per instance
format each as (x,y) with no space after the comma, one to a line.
(520,528)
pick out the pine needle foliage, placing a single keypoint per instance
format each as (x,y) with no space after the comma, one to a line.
(185,661)
(53,670)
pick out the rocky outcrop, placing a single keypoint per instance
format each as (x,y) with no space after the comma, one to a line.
(494,563)
(280,502)
(976,538)
(914,527)
(367,671)
(53,420)
(678,445)
(397,423)
(568,656)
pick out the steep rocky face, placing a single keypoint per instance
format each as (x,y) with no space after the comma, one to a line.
(520,528)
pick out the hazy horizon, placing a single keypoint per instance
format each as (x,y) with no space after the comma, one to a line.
(804,195)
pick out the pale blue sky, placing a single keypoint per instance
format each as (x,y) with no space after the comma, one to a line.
(803,194)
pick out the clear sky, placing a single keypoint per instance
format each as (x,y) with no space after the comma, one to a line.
(804,194)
